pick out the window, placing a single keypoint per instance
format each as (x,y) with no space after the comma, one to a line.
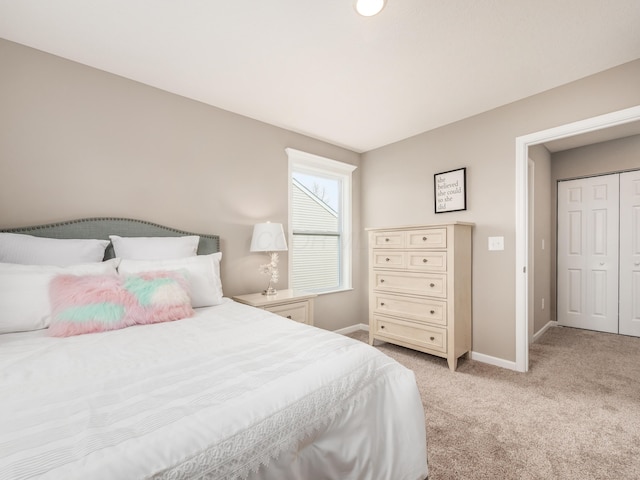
(319,223)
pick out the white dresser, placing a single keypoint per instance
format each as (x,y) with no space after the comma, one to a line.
(420,288)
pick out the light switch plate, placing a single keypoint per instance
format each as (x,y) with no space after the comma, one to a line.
(496,243)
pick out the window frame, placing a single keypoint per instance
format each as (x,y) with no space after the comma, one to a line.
(303,162)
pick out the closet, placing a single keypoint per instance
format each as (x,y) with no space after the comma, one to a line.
(598,285)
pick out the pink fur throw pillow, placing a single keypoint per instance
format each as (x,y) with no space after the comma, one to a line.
(97,303)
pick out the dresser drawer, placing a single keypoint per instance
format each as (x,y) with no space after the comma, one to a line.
(427,238)
(298,311)
(388,240)
(389,259)
(411,308)
(427,261)
(434,338)
(429,284)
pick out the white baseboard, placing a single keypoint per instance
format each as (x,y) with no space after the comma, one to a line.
(353,328)
(498,362)
(550,323)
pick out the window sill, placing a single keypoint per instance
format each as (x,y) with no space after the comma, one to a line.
(327,292)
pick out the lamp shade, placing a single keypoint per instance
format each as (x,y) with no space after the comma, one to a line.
(268,237)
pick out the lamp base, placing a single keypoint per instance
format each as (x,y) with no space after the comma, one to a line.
(270,291)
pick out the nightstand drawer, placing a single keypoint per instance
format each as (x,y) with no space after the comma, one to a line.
(432,285)
(411,308)
(433,338)
(295,311)
(292,304)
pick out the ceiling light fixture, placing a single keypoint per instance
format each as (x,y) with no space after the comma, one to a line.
(369,8)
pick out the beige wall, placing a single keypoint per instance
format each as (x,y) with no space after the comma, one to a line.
(541,240)
(397,185)
(78,142)
(597,159)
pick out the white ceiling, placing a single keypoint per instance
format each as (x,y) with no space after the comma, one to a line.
(317,68)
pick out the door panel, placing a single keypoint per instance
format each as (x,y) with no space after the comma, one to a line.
(588,214)
(630,253)
(575,291)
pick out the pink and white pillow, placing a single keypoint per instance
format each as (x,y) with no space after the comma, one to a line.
(98,303)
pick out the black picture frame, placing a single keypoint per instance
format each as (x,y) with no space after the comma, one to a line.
(450,190)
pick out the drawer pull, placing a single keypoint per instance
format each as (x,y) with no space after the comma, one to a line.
(424,239)
(386,239)
(387,259)
(382,327)
(289,317)
(382,280)
(424,260)
(432,338)
(432,312)
(432,285)
(382,304)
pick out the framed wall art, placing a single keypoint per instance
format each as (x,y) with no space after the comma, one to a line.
(450,190)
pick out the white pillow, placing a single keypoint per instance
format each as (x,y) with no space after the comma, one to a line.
(202,273)
(24,292)
(155,248)
(30,250)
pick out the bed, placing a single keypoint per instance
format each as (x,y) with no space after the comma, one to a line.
(230,392)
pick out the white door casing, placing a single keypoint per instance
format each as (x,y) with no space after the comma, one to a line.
(588,230)
(630,253)
(531,272)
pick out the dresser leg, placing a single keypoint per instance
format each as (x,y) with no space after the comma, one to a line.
(453,363)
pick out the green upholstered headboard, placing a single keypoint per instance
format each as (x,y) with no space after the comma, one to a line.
(101,228)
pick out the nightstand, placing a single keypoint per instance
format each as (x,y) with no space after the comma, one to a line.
(292,304)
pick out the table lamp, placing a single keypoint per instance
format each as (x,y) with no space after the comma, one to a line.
(269,237)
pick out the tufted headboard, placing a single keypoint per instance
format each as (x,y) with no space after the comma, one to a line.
(101,228)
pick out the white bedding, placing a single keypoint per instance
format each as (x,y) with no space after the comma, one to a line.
(234,392)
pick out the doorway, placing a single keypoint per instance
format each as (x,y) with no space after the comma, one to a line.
(595,124)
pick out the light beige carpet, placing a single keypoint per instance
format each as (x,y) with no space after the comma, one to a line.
(574,415)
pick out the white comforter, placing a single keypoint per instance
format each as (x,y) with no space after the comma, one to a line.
(234,392)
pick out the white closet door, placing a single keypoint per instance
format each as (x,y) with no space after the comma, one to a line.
(588,253)
(630,253)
